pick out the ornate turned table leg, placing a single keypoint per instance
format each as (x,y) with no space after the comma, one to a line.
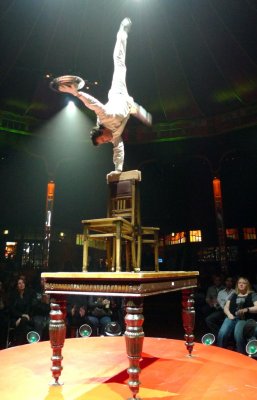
(134,336)
(57,333)
(188,317)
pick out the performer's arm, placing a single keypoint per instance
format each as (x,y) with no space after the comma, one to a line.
(118,154)
(89,101)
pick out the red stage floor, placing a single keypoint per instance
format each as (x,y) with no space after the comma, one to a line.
(95,369)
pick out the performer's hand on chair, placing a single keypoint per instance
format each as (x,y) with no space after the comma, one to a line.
(113,173)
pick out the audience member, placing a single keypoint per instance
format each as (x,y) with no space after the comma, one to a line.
(100,312)
(21,302)
(216,318)
(239,307)
(77,315)
(3,316)
(211,302)
(118,311)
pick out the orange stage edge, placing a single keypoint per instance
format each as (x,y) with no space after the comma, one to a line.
(95,369)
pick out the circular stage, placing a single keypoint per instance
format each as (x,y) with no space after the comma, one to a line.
(94,368)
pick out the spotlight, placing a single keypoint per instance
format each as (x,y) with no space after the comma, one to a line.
(113,329)
(71,106)
(251,347)
(208,339)
(33,337)
(85,330)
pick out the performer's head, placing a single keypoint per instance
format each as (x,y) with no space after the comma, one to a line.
(100,135)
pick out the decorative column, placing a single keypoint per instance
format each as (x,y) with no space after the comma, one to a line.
(220,223)
(134,337)
(48,222)
(188,318)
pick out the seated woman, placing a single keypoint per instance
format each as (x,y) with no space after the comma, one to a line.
(21,303)
(240,306)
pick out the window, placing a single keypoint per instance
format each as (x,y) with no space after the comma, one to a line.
(79,239)
(195,236)
(10,250)
(232,233)
(175,238)
(249,233)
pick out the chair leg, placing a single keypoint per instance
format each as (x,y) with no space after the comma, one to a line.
(113,265)
(134,258)
(118,246)
(139,253)
(109,255)
(85,250)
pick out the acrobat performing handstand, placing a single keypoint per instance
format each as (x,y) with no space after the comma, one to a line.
(112,116)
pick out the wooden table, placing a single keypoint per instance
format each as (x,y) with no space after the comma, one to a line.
(133,287)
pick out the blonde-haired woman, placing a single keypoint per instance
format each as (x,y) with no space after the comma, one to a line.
(240,306)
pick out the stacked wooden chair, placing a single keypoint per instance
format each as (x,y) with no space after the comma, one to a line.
(122,229)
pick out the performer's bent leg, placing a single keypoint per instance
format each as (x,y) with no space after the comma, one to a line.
(140,113)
